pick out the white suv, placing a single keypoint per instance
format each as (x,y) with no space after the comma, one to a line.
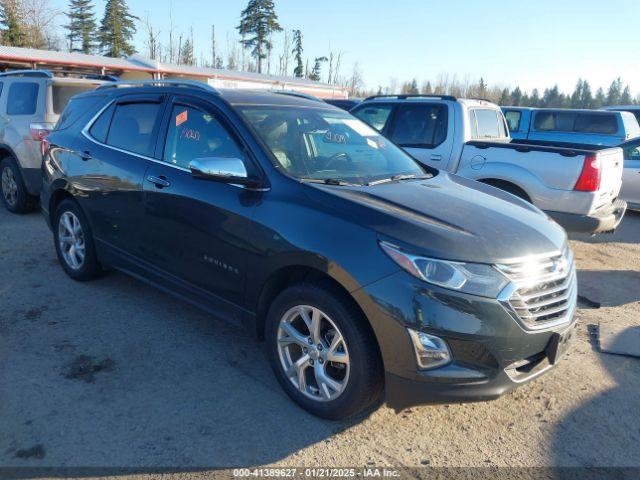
(31,102)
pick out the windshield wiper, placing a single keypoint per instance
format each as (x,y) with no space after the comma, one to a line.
(396,178)
(329,181)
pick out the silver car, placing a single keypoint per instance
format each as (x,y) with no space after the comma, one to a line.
(631,174)
(31,102)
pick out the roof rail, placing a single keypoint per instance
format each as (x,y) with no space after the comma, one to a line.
(404,96)
(27,73)
(157,83)
(479,99)
(294,93)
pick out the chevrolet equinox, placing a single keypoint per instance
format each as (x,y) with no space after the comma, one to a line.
(362,270)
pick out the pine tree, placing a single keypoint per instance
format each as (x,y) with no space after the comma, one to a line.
(117,29)
(625,98)
(258,21)
(186,53)
(12,22)
(534,100)
(516,97)
(81,27)
(298,71)
(600,98)
(317,68)
(614,93)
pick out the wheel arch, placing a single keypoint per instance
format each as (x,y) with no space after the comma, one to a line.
(288,275)
(508,186)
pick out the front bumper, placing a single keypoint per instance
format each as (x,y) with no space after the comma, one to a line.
(604,220)
(492,352)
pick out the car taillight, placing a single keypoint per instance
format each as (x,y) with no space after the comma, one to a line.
(40,130)
(589,180)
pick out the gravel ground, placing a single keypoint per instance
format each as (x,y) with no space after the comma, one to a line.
(113,373)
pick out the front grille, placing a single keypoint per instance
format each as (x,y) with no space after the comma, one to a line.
(543,289)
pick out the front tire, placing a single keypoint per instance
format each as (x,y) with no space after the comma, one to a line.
(323,352)
(74,242)
(15,196)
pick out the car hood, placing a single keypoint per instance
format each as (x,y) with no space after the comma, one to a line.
(450,217)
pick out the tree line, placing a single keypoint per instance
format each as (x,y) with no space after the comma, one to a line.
(32,23)
(581,97)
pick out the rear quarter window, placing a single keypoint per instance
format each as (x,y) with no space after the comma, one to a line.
(62,93)
(22,98)
(75,109)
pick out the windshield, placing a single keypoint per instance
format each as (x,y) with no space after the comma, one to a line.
(328,145)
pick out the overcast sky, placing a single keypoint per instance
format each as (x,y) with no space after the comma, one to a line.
(529,43)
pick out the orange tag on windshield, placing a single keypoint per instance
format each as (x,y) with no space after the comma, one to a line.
(181,118)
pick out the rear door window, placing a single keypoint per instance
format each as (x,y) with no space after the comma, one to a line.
(490,124)
(513,120)
(375,115)
(132,127)
(196,134)
(23,98)
(420,125)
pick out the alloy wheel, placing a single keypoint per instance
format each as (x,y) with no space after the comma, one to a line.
(9,186)
(71,240)
(313,353)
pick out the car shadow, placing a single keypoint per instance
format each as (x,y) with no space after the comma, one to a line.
(140,381)
(601,416)
(602,288)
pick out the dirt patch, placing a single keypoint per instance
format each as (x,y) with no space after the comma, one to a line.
(85,368)
(37,451)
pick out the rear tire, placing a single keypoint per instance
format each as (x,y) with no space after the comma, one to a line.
(15,196)
(342,372)
(74,242)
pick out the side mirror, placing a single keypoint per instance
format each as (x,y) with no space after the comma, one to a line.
(222,169)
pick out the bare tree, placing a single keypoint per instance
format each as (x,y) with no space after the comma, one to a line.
(152,42)
(39,19)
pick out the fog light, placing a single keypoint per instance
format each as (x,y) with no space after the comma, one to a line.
(431,351)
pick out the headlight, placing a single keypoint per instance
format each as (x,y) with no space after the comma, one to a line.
(473,278)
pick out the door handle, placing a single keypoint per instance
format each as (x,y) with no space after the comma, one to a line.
(159,182)
(436,157)
(86,155)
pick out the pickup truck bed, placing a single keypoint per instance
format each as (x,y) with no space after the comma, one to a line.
(548,174)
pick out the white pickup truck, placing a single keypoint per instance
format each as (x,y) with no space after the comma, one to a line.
(577,185)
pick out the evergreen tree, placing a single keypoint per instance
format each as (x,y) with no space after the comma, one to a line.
(615,92)
(482,88)
(625,98)
(12,23)
(516,97)
(600,98)
(412,88)
(298,71)
(81,27)
(258,21)
(117,29)
(427,89)
(186,53)
(317,68)
(534,100)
